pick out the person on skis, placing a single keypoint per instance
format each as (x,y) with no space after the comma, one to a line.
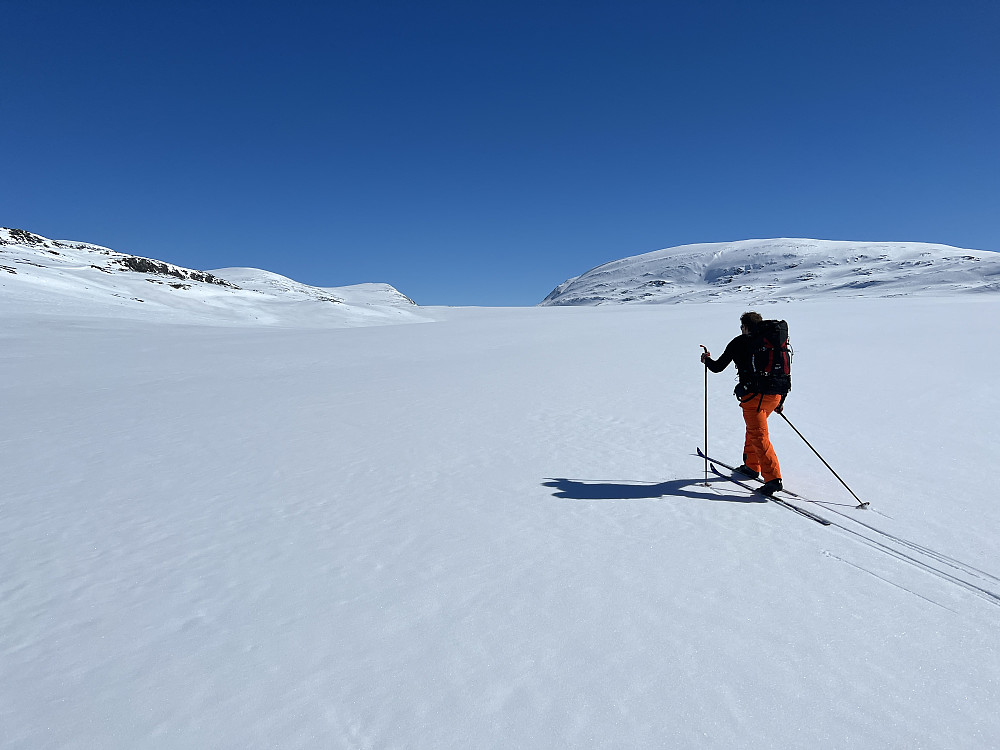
(758,396)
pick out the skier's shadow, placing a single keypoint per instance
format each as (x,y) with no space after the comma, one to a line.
(575,489)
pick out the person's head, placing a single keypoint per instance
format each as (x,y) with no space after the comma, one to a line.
(749,321)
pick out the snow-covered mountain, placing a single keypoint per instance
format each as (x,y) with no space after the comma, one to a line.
(85,280)
(266,282)
(755,271)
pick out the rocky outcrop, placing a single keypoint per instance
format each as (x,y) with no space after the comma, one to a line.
(145,265)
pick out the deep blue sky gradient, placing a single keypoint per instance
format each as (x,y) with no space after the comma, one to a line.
(481,153)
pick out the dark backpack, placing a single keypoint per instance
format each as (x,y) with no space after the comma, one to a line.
(771,359)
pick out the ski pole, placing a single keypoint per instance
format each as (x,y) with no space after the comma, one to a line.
(706,416)
(861,503)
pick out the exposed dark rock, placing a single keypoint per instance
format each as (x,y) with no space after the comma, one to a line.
(21,237)
(145,265)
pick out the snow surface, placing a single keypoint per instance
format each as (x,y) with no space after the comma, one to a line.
(491,531)
(756,271)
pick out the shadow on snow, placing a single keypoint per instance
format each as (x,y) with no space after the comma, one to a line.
(575,489)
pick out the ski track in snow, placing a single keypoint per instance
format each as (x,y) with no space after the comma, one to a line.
(488,531)
(891,544)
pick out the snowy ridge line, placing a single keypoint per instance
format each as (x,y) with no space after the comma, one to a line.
(773,270)
(885,547)
(79,279)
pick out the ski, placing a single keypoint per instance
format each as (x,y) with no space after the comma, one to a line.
(783,503)
(749,479)
(783,491)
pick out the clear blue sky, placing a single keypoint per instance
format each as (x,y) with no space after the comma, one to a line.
(475,153)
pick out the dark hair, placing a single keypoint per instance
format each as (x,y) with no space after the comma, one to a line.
(751,320)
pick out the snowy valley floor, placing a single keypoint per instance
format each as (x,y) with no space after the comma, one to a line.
(489,531)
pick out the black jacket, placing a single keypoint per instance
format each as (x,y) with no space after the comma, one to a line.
(738,350)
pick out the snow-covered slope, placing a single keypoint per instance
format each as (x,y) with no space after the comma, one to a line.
(755,271)
(492,532)
(455,535)
(273,284)
(82,280)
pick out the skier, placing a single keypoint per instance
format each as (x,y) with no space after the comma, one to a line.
(759,459)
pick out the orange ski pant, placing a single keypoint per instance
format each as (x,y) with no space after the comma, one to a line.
(758,453)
